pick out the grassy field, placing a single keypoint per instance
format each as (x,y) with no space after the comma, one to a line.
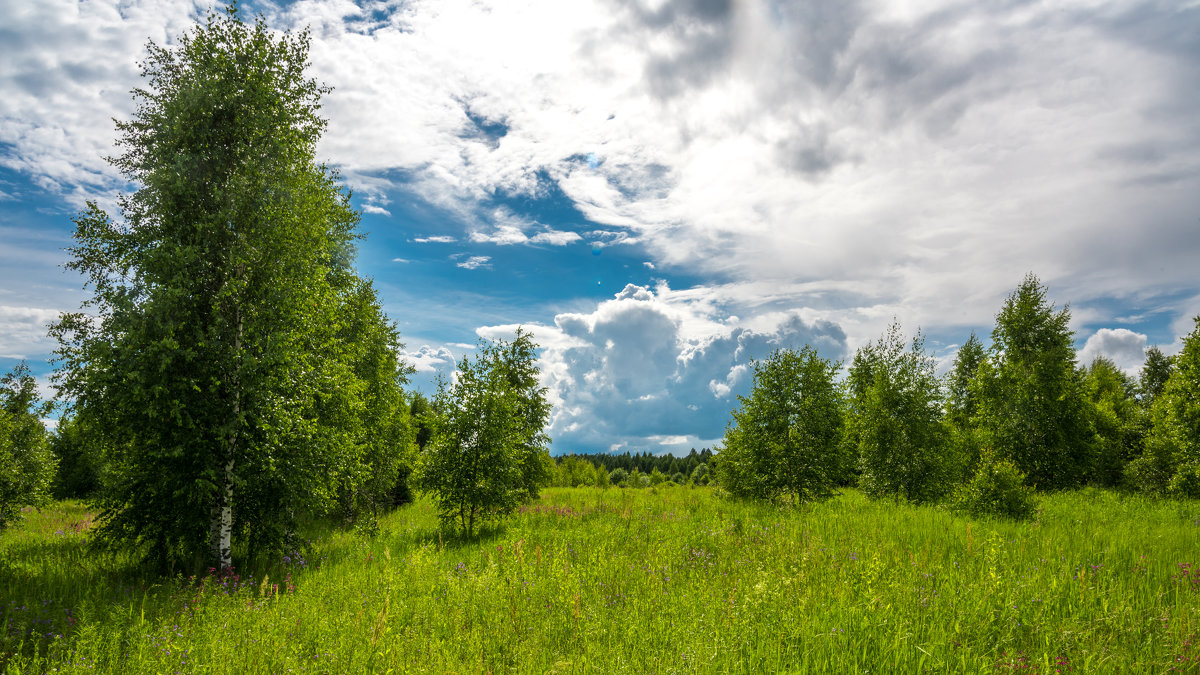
(614,580)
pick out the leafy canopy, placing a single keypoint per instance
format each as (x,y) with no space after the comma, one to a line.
(26,463)
(1032,407)
(232,365)
(785,438)
(903,442)
(487,450)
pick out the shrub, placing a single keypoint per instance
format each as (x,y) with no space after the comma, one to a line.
(618,477)
(1186,481)
(997,489)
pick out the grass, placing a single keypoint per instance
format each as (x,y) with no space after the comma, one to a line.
(677,580)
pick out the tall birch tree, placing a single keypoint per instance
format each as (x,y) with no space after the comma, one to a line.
(223,356)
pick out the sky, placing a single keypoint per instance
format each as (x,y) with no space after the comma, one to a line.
(664,190)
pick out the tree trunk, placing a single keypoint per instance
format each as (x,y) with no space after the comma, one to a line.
(222,513)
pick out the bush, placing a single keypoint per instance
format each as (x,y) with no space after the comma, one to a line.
(997,489)
(1186,481)
(1151,473)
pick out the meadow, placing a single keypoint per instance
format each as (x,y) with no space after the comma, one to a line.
(666,580)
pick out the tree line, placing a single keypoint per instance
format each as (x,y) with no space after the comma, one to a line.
(1007,419)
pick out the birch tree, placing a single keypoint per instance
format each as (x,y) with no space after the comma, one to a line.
(487,450)
(222,356)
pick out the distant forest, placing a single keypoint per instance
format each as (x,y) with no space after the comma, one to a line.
(644,462)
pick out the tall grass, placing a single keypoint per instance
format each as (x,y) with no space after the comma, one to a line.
(676,580)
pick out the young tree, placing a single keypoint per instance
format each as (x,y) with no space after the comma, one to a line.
(962,405)
(903,445)
(26,463)
(784,440)
(1117,418)
(483,435)
(221,367)
(519,362)
(1174,443)
(1156,370)
(1032,408)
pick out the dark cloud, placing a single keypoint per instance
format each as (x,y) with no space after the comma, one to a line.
(702,31)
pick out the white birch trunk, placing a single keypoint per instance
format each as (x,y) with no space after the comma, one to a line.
(222,513)
(225,527)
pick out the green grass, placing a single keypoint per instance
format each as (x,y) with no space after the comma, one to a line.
(635,581)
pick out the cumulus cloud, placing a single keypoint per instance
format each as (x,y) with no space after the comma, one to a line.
(1122,346)
(654,369)
(429,359)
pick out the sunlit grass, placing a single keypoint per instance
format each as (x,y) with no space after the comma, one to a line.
(590,580)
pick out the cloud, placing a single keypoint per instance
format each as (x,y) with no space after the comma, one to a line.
(1120,345)
(23,331)
(438,239)
(377,210)
(652,365)
(555,238)
(429,359)
(476,262)
(935,151)
(401,260)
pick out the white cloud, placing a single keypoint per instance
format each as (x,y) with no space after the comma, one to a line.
(503,235)
(1120,345)
(555,238)
(401,260)
(933,155)
(439,239)
(375,209)
(429,359)
(639,369)
(23,331)
(476,262)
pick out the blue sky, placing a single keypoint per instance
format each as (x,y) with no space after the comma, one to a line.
(663,190)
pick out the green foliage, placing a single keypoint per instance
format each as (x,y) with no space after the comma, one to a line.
(78,474)
(1186,481)
(903,443)
(618,477)
(1117,417)
(700,475)
(575,471)
(519,362)
(1173,442)
(785,438)
(997,489)
(233,367)
(1177,408)
(1156,370)
(487,429)
(1032,406)
(26,464)
(961,403)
